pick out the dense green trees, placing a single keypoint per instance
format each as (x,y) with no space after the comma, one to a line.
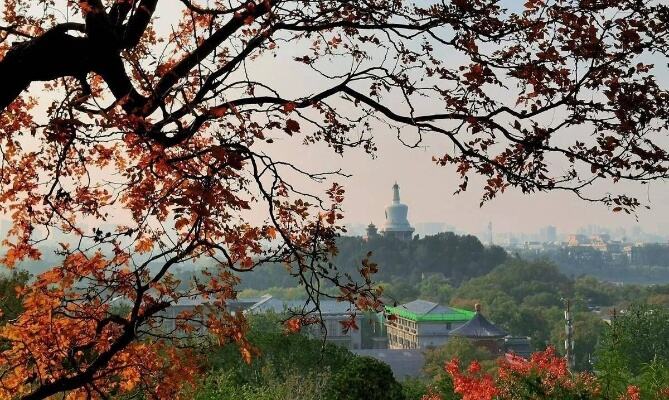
(293,366)
(10,302)
(647,267)
(635,339)
(453,258)
(524,298)
(364,378)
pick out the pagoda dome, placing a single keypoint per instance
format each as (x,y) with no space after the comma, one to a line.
(396,215)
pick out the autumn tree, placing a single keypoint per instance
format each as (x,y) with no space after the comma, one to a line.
(142,132)
(544,375)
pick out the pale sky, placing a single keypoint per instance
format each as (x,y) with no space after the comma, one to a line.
(428,189)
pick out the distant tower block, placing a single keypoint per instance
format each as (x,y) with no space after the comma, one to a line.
(397,225)
(490,242)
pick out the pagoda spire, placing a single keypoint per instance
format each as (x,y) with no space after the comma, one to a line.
(396,193)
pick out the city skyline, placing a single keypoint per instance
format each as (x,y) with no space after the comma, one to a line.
(511,213)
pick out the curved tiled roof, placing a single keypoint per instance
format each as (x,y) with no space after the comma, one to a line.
(421,310)
(478,328)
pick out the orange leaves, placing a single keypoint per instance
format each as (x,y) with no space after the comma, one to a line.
(180,223)
(144,244)
(544,373)
(19,252)
(293,325)
(247,355)
(335,41)
(349,324)
(10,258)
(50,277)
(472,385)
(130,378)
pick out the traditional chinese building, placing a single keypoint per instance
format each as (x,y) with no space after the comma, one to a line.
(482,332)
(420,324)
(371,232)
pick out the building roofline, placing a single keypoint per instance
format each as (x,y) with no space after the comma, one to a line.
(458,315)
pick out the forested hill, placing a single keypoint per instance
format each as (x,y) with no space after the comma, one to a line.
(457,258)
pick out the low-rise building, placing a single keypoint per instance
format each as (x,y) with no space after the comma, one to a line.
(420,324)
(332,314)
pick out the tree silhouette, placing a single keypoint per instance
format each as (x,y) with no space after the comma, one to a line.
(158,139)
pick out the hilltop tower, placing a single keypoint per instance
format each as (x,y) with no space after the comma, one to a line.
(372,232)
(397,225)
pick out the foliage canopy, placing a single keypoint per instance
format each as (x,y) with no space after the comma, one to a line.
(146,147)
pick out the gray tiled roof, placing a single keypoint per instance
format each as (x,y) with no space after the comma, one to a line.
(196,301)
(478,327)
(331,307)
(425,307)
(403,362)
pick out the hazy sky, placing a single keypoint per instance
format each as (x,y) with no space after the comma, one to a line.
(428,189)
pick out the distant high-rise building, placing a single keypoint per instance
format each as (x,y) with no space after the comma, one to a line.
(431,228)
(548,234)
(397,225)
(490,241)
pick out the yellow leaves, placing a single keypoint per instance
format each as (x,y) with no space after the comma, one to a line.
(130,377)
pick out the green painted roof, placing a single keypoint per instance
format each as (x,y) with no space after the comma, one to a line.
(440,314)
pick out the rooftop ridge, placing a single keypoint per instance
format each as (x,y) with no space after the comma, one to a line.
(456,315)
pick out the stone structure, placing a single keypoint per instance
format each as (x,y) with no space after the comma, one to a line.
(397,225)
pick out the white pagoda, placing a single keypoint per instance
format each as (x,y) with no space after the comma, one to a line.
(397,225)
